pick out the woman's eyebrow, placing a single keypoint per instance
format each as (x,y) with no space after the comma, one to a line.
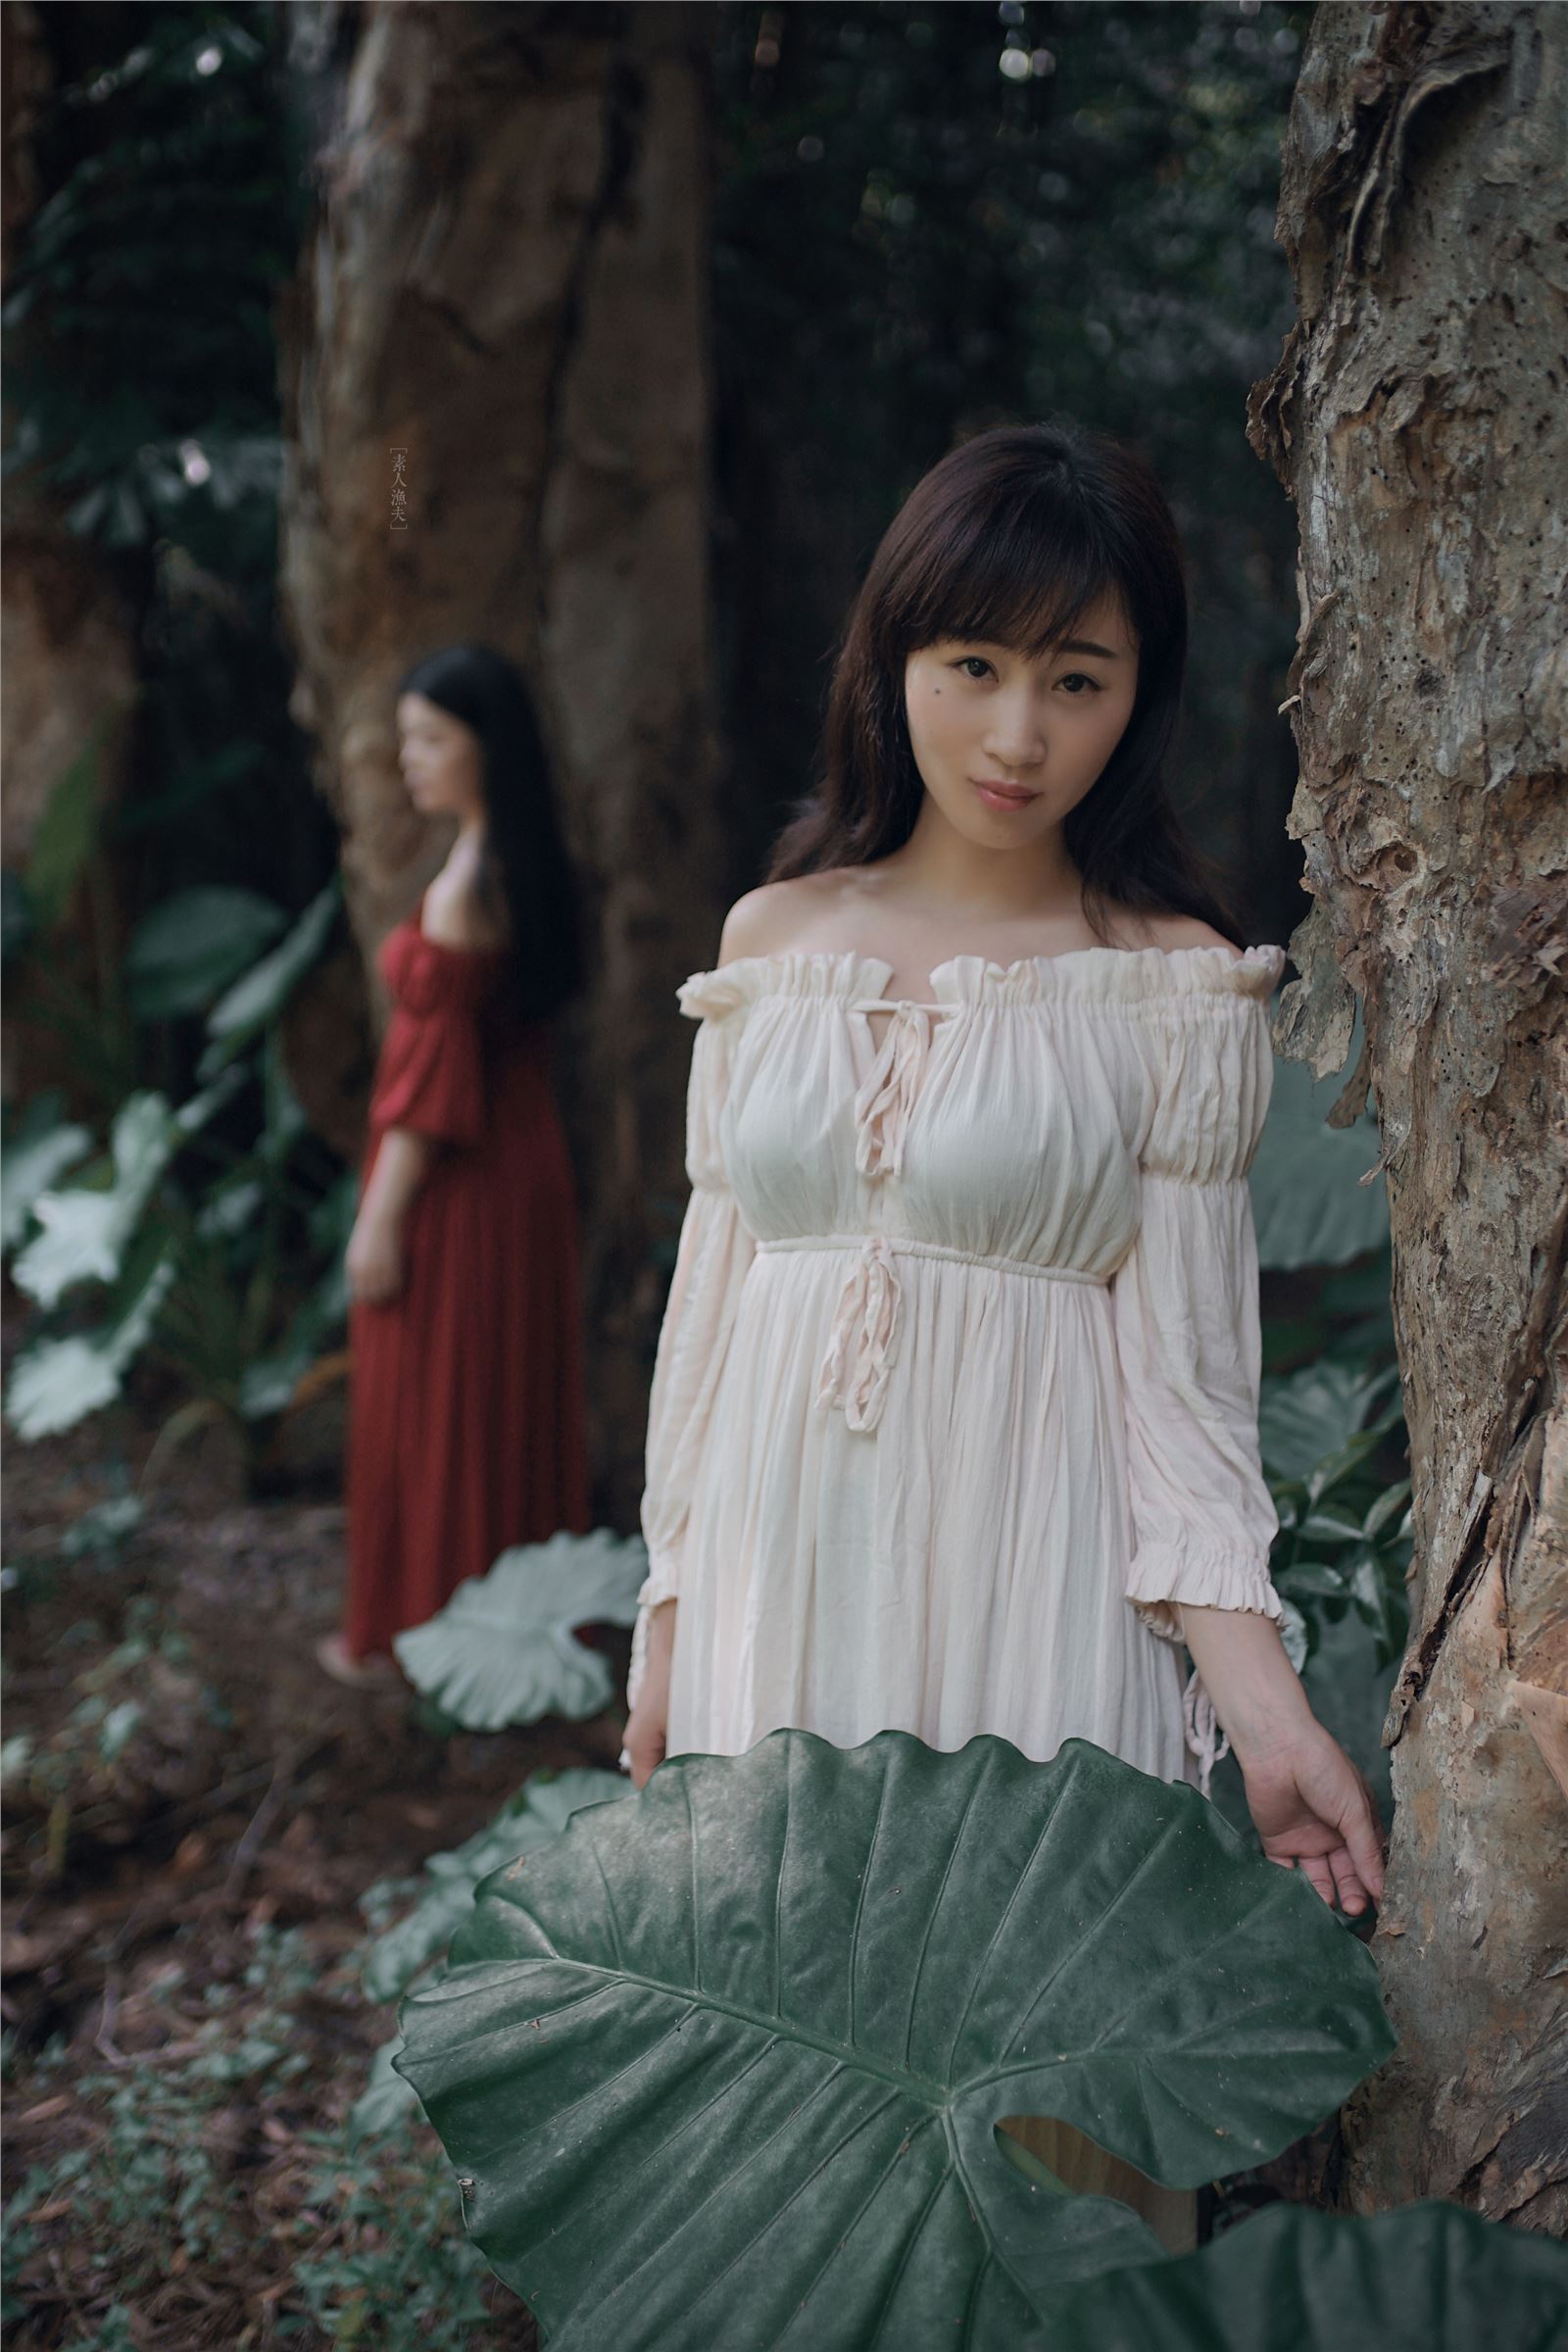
(1063,645)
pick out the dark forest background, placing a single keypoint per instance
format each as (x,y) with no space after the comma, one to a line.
(926,220)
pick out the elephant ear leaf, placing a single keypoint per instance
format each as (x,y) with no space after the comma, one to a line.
(1427,2277)
(505,1649)
(726,2064)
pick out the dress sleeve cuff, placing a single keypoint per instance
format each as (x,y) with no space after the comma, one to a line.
(663,1580)
(1164,1576)
(661,1583)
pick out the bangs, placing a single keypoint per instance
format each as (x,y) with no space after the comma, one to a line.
(1013,571)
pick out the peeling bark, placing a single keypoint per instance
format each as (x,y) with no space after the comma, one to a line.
(508,280)
(1419,418)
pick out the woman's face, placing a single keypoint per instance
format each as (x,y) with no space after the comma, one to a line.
(984,716)
(441,758)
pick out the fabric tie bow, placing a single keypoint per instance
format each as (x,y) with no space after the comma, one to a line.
(883,1104)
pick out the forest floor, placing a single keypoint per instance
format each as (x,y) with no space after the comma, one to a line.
(192,1813)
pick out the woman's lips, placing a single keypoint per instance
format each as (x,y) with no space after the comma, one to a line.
(1005,796)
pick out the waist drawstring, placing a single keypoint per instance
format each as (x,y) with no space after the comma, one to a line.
(859,1352)
(863,1346)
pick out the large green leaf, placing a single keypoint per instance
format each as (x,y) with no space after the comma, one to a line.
(88,1228)
(1309,1205)
(505,1649)
(1427,2277)
(57,1383)
(538,1813)
(85,1229)
(725,2066)
(405,1951)
(1307,1418)
(43,1147)
(261,995)
(189,949)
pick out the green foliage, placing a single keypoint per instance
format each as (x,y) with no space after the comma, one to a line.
(406,1952)
(1427,2277)
(86,1227)
(1309,1204)
(138,312)
(505,1650)
(525,1823)
(1345,1536)
(246,1008)
(43,1147)
(188,950)
(198,1269)
(153,2180)
(58,1383)
(142,1719)
(811,1982)
(367,2243)
(394,2269)
(171,205)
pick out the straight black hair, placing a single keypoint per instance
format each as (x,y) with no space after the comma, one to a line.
(1009,540)
(524,872)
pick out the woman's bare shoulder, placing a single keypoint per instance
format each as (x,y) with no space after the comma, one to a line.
(454,916)
(1170,931)
(770,921)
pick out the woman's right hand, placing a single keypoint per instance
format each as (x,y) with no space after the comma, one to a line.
(646,1725)
(373,1261)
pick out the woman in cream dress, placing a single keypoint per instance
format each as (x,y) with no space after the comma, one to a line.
(953,1424)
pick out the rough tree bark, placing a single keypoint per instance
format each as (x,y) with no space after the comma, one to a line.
(1418,418)
(507,280)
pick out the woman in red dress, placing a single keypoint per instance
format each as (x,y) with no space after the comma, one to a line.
(466,1426)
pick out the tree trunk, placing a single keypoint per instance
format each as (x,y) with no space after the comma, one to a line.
(71,623)
(1419,418)
(507,283)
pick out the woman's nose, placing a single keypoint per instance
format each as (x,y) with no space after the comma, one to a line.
(1015,738)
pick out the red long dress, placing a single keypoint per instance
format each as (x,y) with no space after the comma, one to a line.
(466,1420)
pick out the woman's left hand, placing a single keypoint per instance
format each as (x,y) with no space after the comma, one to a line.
(1313,1810)
(373,1262)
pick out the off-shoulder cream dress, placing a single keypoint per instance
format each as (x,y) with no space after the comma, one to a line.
(955,1398)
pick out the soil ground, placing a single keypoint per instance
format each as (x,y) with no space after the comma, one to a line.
(254,1799)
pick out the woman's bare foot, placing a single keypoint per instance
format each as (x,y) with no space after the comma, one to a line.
(377,1672)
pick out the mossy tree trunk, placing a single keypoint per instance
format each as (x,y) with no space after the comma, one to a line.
(1419,418)
(507,283)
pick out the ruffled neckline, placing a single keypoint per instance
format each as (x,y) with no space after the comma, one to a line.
(1112,976)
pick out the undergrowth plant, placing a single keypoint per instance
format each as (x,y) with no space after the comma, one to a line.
(208,2161)
(183,1233)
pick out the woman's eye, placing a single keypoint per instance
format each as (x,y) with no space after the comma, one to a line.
(1083,679)
(973,665)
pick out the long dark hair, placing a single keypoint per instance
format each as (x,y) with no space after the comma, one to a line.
(524,872)
(1009,540)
